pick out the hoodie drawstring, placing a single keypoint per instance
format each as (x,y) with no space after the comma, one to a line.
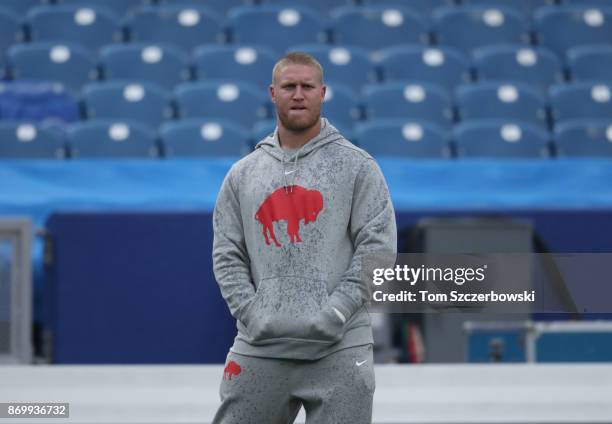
(289,187)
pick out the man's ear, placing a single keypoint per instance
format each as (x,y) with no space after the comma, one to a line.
(323,91)
(271,91)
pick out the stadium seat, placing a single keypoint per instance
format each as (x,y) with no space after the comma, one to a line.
(240,102)
(500,139)
(469,27)
(376,27)
(21,7)
(222,7)
(439,65)
(524,6)
(158,64)
(204,137)
(424,7)
(349,66)
(251,64)
(118,7)
(72,65)
(536,66)
(111,139)
(581,100)
(340,106)
(493,100)
(587,3)
(584,137)
(590,63)
(274,26)
(143,102)
(563,27)
(403,138)
(320,6)
(262,129)
(185,28)
(425,102)
(29,141)
(89,26)
(39,102)
(10,29)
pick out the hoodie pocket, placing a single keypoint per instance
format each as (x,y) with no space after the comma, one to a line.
(292,307)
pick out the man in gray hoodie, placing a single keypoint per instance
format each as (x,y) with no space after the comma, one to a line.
(295,224)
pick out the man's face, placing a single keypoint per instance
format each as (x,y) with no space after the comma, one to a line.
(297,92)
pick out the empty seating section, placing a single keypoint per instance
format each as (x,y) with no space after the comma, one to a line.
(561,28)
(185,28)
(145,103)
(240,102)
(70,64)
(413,78)
(492,100)
(537,66)
(235,62)
(204,137)
(276,26)
(470,27)
(158,64)
(401,138)
(111,138)
(375,27)
(590,63)
(90,26)
(500,139)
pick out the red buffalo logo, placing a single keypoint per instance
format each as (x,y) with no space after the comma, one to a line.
(231,369)
(291,204)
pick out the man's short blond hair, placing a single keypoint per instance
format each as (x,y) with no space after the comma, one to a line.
(297,58)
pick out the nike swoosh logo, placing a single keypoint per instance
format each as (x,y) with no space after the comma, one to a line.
(290,172)
(361,363)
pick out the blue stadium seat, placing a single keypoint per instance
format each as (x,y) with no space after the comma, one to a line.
(204,137)
(88,26)
(425,102)
(118,7)
(470,27)
(440,65)
(29,141)
(590,63)
(10,29)
(183,27)
(581,100)
(251,64)
(274,26)
(222,7)
(376,27)
(587,3)
(21,7)
(320,6)
(340,106)
(584,137)
(41,102)
(493,100)
(424,7)
(143,102)
(240,102)
(563,27)
(537,66)
(349,66)
(403,138)
(106,138)
(262,129)
(72,65)
(158,64)
(500,139)
(524,6)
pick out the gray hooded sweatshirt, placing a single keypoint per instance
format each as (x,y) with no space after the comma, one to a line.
(292,232)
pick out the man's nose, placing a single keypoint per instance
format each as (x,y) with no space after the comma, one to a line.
(298,93)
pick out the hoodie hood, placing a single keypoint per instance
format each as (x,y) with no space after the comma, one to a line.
(327,134)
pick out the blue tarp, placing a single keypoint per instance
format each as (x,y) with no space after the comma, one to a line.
(36,188)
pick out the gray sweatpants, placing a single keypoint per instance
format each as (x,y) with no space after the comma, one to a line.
(335,389)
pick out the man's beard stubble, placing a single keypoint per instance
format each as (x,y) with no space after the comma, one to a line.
(296,126)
